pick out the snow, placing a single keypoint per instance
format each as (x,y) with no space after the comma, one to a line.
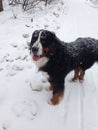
(24,94)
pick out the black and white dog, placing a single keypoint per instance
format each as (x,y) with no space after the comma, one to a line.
(58,58)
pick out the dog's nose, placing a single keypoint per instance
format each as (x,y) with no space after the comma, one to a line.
(35,50)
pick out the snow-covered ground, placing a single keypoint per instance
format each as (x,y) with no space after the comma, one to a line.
(23,91)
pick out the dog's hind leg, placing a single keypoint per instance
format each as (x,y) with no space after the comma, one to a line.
(76,74)
(81,74)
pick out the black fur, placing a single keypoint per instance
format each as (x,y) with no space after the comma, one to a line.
(65,57)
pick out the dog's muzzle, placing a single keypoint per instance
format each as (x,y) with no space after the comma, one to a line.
(35,53)
(35,56)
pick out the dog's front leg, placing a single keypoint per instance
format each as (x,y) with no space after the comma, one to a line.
(58,91)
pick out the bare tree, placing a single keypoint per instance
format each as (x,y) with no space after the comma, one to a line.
(28,4)
(1,5)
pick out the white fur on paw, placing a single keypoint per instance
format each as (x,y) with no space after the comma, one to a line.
(81,81)
(71,81)
(49,102)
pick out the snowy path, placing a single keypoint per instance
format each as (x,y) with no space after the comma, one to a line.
(23,95)
(82,107)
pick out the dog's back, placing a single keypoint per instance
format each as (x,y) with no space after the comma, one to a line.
(86,51)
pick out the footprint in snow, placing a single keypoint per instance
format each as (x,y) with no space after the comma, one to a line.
(25,109)
(5,125)
(37,87)
(25,35)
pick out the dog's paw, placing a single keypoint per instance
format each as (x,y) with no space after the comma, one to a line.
(52,102)
(50,88)
(81,81)
(56,99)
(49,102)
(72,80)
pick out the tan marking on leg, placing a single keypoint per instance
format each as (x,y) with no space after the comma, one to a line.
(56,98)
(81,76)
(49,79)
(51,87)
(76,74)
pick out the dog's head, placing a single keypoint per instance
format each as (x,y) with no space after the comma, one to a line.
(41,44)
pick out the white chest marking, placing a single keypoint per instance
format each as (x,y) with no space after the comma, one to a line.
(41,62)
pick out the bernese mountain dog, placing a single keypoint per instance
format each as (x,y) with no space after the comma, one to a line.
(58,58)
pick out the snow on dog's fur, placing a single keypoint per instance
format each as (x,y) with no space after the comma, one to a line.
(58,58)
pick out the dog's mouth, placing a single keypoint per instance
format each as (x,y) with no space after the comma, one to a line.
(36,57)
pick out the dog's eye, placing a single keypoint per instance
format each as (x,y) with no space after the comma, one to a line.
(35,35)
(34,38)
(43,37)
(42,41)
